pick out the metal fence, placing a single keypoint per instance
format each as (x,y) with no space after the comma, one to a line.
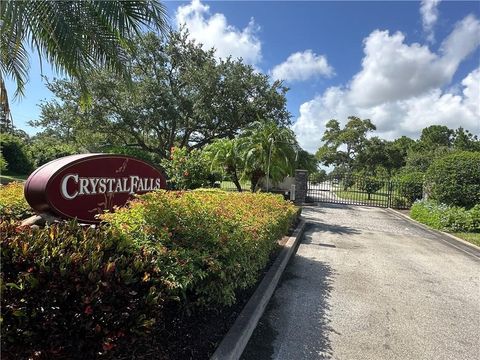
(230,186)
(363,190)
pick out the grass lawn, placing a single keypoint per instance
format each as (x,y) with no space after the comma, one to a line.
(473,238)
(8,177)
(361,196)
(229,185)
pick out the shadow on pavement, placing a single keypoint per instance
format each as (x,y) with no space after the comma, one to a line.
(295,324)
(315,226)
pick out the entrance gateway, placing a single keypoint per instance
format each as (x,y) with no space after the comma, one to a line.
(361,190)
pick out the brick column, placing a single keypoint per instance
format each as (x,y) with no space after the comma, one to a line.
(301,177)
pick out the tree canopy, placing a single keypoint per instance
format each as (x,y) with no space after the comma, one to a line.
(180,95)
(342,146)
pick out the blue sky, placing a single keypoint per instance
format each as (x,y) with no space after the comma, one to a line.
(405,65)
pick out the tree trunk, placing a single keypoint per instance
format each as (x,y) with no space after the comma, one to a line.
(236,181)
(255,178)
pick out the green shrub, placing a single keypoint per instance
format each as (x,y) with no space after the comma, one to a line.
(369,184)
(443,217)
(186,169)
(399,202)
(68,289)
(3,163)
(222,239)
(409,185)
(15,153)
(44,150)
(12,202)
(455,179)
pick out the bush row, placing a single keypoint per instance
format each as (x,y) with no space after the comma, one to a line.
(68,289)
(443,217)
(454,179)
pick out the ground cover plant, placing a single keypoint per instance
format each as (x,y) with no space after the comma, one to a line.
(448,218)
(12,202)
(79,292)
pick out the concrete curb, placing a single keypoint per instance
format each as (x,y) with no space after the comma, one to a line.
(233,344)
(449,238)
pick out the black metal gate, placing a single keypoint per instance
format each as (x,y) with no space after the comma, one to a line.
(362,190)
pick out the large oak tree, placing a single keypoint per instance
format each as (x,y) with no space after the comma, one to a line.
(181,95)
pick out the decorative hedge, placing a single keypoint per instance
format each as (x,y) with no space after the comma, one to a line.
(12,202)
(443,217)
(454,179)
(69,290)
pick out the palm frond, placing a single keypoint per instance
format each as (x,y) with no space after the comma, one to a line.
(74,36)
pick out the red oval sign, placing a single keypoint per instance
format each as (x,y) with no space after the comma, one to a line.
(83,186)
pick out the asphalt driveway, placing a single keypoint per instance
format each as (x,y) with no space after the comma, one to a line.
(365,284)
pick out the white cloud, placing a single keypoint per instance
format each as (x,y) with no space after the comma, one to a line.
(301,66)
(402,88)
(429,12)
(393,119)
(393,70)
(214,31)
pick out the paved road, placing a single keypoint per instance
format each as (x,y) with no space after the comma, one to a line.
(365,284)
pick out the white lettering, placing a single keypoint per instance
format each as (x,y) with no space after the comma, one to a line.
(94,183)
(93,186)
(83,186)
(102,187)
(133,184)
(118,188)
(110,185)
(64,191)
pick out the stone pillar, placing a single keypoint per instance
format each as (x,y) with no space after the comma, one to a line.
(301,178)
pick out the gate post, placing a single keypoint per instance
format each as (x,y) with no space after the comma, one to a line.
(301,178)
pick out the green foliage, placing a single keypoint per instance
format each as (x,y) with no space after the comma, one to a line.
(352,138)
(180,95)
(3,163)
(75,37)
(69,289)
(216,241)
(15,152)
(455,179)
(45,149)
(318,176)
(436,135)
(66,282)
(267,150)
(12,202)
(369,184)
(419,159)
(134,152)
(465,140)
(225,158)
(443,217)
(307,161)
(410,186)
(186,169)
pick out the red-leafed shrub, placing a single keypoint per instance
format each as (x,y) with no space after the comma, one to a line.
(70,290)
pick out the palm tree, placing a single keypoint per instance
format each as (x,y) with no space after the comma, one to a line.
(268,150)
(74,36)
(223,154)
